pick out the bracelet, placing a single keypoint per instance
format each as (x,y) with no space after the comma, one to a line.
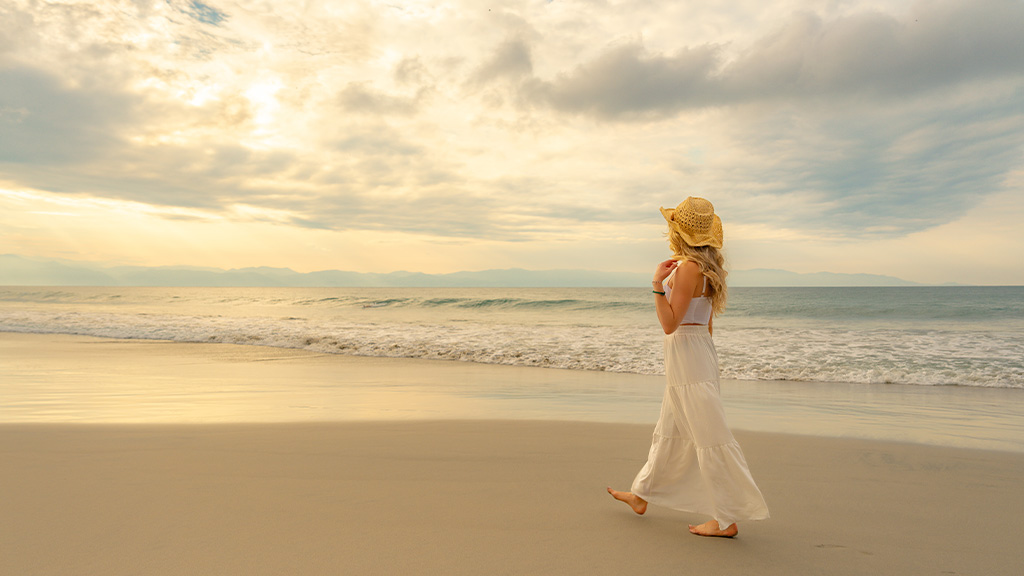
(656,292)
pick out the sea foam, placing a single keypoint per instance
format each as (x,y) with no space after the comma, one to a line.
(875,355)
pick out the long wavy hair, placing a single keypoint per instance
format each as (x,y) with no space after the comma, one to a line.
(712,265)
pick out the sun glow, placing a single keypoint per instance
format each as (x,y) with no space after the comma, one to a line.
(262,95)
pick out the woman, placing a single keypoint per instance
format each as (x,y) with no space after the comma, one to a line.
(695,464)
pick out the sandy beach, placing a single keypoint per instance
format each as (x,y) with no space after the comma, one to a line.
(466,497)
(206,482)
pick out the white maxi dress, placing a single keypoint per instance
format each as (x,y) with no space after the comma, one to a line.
(695,464)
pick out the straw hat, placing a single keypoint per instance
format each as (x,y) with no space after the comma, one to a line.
(696,222)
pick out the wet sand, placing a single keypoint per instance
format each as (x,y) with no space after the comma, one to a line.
(53,378)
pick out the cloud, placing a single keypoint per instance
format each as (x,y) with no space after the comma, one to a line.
(936,45)
(847,172)
(18,32)
(532,123)
(411,70)
(627,82)
(358,97)
(860,125)
(509,60)
(46,122)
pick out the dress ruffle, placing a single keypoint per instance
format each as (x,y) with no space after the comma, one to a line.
(695,463)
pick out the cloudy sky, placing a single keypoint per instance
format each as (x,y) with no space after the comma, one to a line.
(377,135)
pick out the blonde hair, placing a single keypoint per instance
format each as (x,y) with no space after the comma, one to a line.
(712,265)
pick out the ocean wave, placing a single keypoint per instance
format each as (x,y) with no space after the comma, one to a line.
(924,357)
(997,307)
(350,298)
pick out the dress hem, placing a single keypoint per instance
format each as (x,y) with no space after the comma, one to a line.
(725,522)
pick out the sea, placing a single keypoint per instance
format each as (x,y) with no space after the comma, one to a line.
(971,337)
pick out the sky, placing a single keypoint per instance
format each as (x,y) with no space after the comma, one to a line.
(882,137)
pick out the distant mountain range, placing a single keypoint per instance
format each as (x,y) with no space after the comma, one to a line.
(20,271)
(770,277)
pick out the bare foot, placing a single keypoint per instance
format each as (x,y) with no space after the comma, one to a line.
(638,504)
(711,528)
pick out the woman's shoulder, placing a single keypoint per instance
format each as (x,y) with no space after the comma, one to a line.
(684,269)
(688,267)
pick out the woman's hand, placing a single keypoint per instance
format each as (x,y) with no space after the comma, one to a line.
(664,269)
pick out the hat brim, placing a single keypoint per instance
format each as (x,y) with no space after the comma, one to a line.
(667,213)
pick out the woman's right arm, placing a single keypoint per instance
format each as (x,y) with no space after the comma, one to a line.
(670,313)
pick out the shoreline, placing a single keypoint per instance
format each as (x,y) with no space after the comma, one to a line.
(67,378)
(479,497)
(9,334)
